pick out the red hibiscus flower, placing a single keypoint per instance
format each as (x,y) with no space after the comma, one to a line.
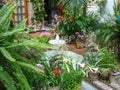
(57,70)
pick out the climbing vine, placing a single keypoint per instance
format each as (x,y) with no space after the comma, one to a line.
(39,11)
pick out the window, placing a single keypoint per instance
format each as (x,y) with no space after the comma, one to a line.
(21,12)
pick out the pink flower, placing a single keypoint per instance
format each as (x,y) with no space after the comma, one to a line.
(77,33)
(56,16)
(45,33)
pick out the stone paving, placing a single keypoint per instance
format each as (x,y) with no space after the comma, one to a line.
(98,84)
(115,80)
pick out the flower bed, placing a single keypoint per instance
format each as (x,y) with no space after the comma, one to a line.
(62,70)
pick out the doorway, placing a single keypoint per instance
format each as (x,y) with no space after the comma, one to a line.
(51,9)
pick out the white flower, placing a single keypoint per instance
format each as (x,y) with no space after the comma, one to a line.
(82,65)
(65,59)
(67,68)
(95,69)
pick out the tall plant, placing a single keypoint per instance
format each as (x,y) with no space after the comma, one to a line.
(76,19)
(74,6)
(13,64)
(109,34)
(74,11)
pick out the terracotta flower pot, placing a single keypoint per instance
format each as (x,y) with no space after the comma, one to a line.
(93,75)
(78,44)
(54,88)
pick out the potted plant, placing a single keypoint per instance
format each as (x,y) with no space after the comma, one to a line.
(91,60)
(100,61)
(107,63)
(80,40)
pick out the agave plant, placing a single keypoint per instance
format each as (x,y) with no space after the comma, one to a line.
(14,67)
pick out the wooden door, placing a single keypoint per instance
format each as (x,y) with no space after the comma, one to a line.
(21,12)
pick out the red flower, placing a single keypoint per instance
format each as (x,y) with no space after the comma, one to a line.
(57,70)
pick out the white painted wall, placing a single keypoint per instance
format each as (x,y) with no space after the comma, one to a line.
(109,6)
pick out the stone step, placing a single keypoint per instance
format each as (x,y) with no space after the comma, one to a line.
(116,77)
(115,85)
(117,73)
(101,85)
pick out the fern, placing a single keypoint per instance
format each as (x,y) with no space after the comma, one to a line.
(6,54)
(23,83)
(30,66)
(7,80)
(31,44)
(18,28)
(5,20)
(4,9)
(13,77)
